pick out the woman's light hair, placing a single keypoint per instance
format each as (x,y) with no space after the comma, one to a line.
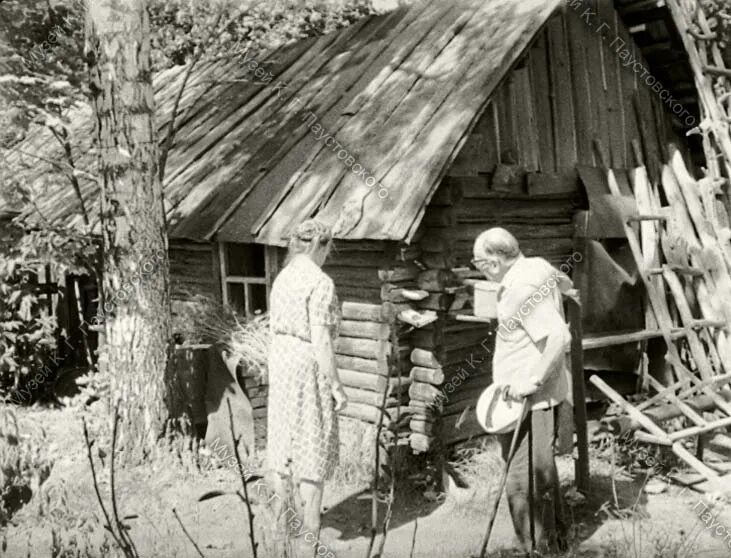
(309,236)
(497,241)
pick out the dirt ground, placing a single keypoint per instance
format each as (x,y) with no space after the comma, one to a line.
(63,518)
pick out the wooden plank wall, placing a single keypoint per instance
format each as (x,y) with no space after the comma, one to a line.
(191,270)
(573,84)
(568,94)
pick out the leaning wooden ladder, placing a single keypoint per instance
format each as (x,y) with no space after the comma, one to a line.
(699,259)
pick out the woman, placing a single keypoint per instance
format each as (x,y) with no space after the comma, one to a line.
(305,392)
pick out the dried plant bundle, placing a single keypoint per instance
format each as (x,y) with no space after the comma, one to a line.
(246,338)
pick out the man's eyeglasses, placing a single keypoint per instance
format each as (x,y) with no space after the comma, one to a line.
(478,262)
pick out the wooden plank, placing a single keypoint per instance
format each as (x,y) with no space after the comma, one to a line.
(582,100)
(364,412)
(628,86)
(507,132)
(359,246)
(538,183)
(562,94)
(488,125)
(365,329)
(649,232)
(542,107)
(373,398)
(364,348)
(616,145)
(525,119)
(425,358)
(362,295)
(521,232)
(368,312)
(433,376)
(425,392)
(643,111)
(422,427)
(597,79)
(353,276)
(370,366)
(367,261)
(528,209)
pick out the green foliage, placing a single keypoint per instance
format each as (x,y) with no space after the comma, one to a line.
(42,59)
(28,331)
(182,26)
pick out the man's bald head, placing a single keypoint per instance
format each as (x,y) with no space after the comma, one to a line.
(495,251)
(496,241)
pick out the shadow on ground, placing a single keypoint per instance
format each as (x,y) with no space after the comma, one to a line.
(351,516)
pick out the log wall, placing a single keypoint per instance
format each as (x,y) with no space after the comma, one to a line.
(193,269)
(568,102)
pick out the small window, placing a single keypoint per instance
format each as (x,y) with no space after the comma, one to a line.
(245,277)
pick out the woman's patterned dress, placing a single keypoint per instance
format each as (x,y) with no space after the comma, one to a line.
(302,427)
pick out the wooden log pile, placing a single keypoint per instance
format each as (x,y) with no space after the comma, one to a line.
(451,364)
(369,361)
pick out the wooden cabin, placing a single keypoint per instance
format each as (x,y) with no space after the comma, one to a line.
(466,115)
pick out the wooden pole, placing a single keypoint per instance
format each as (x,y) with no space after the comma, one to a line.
(581,465)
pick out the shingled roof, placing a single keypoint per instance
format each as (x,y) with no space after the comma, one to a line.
(399,91)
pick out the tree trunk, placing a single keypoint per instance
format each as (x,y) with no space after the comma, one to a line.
(136,307)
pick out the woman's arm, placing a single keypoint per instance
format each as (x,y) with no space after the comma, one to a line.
(325,355)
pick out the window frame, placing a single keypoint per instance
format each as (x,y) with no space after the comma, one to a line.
(270,267)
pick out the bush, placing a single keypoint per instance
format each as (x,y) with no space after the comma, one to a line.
(27,334)
(23,466)
(29,331)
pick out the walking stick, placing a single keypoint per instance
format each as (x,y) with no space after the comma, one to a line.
(503,480)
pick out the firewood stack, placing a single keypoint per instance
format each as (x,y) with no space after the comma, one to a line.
(369,362)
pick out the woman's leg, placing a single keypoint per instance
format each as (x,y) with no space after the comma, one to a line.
(311,494)
(279,483)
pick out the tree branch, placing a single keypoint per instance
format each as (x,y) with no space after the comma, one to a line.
(64,141)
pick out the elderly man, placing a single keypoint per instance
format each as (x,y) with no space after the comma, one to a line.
(532,338)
